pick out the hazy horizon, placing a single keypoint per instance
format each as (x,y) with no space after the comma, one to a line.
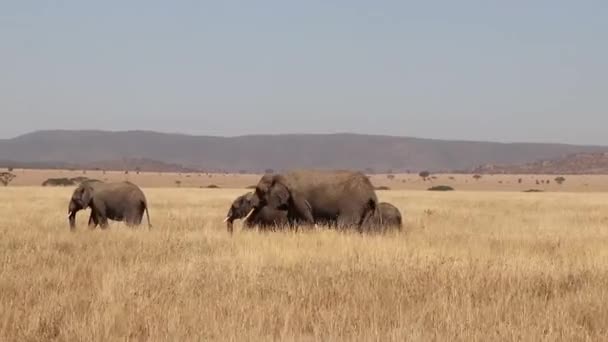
(474,71)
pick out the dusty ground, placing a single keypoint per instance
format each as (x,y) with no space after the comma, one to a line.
(578,183)
(472,266)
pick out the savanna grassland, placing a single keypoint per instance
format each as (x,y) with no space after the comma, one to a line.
(470,266)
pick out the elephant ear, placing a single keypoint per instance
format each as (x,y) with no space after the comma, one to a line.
(279,193)
(86,195)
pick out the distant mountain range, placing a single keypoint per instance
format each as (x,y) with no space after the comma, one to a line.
(573,164)
(152,151)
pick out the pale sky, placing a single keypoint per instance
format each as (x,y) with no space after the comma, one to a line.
(473,70)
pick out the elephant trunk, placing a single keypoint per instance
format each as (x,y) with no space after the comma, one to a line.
(72,210)
(72,219)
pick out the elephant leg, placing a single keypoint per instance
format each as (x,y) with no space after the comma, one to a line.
(133,217)
(93,222)
(347,221)
(103,222)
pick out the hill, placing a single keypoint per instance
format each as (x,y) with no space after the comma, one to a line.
(572,164)
(257,153)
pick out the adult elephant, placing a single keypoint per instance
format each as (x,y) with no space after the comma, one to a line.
(312,196)
(118,201)
(387,217)
(264,217)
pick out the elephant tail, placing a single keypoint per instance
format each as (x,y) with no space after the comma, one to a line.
(147,215)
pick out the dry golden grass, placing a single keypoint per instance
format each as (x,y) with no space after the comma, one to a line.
(473,266)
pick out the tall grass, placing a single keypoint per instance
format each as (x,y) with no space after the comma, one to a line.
(470,267)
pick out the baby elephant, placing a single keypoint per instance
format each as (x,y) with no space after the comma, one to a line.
(264,217)
(391,218)
(120,201)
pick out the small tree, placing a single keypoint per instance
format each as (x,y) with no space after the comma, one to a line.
(424,175)
(10,169)
(477,177)
(6,178)
(390,177)
(137,170)
(520,181)
(560,180)
(178,183)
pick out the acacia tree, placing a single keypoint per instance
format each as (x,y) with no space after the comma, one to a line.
(477,177)
(560,180)
(6,178)
(424,175)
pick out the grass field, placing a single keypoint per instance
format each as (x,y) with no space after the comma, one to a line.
(471,266)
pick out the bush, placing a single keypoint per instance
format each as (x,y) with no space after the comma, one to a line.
(79,179)
(424,174)
(382,188)
(390,176)
(533,190)
(59,182)
(6,178)
(477,177)
(560,180)
(212,186)
(441,188)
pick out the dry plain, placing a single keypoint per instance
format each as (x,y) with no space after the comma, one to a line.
(470,266)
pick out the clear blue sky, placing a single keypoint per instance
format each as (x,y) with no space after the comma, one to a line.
(474,70)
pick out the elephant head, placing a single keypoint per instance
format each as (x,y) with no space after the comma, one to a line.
(276,192)
(242,207)
(81,199)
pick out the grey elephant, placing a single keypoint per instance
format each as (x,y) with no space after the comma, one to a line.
(315,196)
(264,217)
(387,217)
(118,201)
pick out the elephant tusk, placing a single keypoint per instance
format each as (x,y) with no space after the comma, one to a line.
(249,214)
(226,219)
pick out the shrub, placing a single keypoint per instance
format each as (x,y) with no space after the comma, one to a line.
(6,178)
(212,186)
(441,188)
(560,180)
(424,175)
(381,188)
(79,179)
(477,177)
(178,183)
(10,169)
(390,176)
(533,190)
(59,182)
(520,181)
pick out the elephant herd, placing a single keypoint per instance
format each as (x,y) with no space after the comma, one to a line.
(340,199)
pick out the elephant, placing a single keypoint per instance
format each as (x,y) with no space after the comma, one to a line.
(388,217)
(118,201)
(316,196)
(264,217)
